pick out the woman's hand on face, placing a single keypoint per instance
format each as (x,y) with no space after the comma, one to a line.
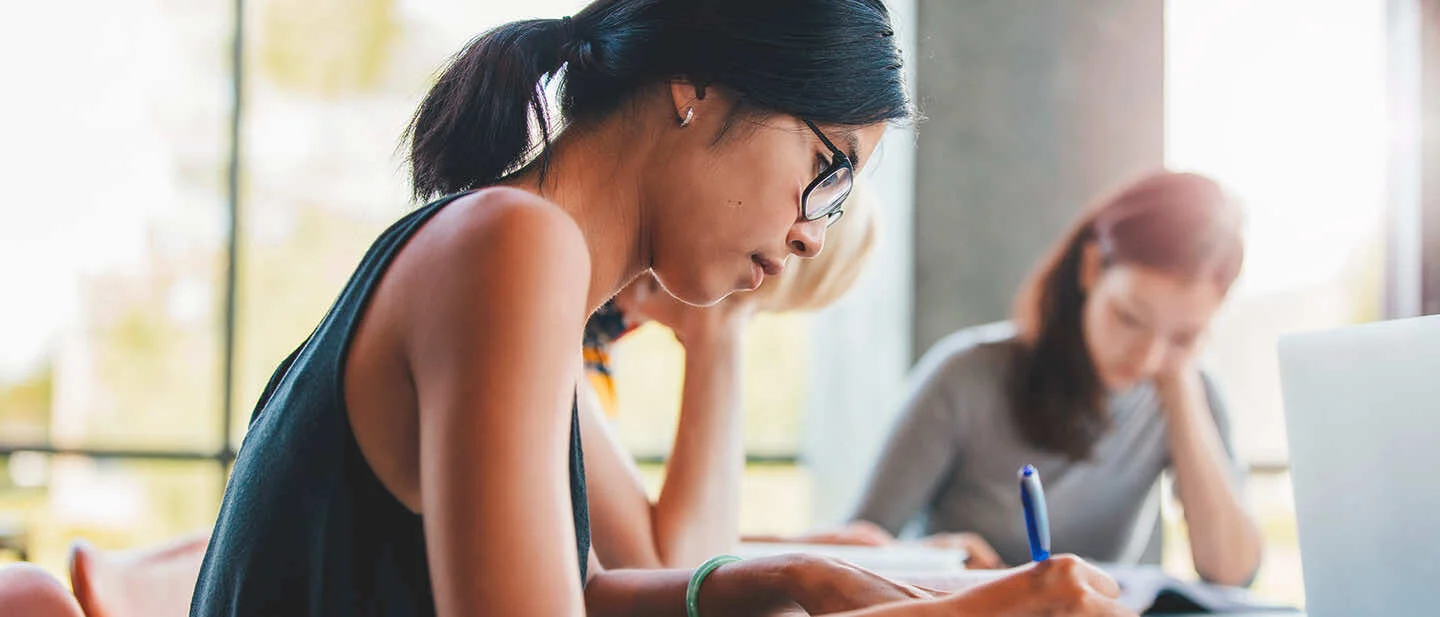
(1180,374)
(689,323)
(1062,586)
(1178,384)
(979,554)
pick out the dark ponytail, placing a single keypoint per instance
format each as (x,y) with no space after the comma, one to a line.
(474,125)
(829,61)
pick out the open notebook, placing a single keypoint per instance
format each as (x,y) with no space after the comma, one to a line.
(1148,590)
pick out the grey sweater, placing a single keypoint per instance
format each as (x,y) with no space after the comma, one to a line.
(953,455)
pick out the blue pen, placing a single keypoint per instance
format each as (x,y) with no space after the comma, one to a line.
(1037,520)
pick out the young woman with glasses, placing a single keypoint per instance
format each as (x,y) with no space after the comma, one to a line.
(420,453)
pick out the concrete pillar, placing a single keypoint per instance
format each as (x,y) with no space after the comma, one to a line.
(1428,222)
(1033,109)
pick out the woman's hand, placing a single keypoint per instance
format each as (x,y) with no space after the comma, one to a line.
(979,554)
(1179,385)
(1062,586)
(1225,542)
(798,584)
(645,299)
(823,585)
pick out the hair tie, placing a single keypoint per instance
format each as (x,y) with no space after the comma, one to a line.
(574,49)
(567,29)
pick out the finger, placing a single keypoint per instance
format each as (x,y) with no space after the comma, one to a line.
(873,537)
(982,553)
(984,563)
(933,593)
(988,561)
(866,533)
(978,561)
(1097,579)
(916,592)
(844,539)
(872,529)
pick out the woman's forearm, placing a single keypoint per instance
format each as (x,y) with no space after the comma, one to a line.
(697,513)
(1225,543)
(637,593)
(743,588)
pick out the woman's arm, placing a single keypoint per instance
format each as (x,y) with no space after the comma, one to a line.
(919,453)
(698,511)
(768,586)
(1224,541)
(621,514)
(798,584)
(697,514)
(494,360)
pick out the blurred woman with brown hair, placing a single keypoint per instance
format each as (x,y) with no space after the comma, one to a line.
(1095,384)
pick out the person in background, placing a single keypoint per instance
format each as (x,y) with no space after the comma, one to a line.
(697,513)
(1095,383)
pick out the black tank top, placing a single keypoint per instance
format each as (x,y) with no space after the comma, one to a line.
(305,527)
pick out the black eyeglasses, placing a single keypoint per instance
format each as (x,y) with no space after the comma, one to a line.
(825,196)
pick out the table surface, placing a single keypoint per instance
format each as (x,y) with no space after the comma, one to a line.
(1262,614)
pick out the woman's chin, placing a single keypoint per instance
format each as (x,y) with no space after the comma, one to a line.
(694,292)
(708,299)
(1119,384)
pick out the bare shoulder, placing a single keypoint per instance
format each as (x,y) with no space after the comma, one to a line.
(517,227)
(496,249)
(978,352)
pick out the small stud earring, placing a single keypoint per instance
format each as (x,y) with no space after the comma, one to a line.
(689,115)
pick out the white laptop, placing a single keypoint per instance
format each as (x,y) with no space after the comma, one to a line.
(1362,409)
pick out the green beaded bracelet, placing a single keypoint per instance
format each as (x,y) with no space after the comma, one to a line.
(692,591)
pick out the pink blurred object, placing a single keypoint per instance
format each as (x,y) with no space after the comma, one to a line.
(155,582)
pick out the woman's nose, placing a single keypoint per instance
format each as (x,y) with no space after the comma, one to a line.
(806,238)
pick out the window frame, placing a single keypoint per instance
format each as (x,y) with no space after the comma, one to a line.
(225,454)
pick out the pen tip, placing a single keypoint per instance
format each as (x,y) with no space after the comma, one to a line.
(1027,471)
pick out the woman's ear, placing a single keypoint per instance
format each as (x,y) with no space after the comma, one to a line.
(1092,265)
(686,97)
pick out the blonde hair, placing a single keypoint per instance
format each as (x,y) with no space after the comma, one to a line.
(812,284)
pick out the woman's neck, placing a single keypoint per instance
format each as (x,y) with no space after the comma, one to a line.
(593,174)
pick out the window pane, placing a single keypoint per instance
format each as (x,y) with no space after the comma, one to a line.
(1291,74)
(330,87)
(1271,501)
(50,501)
(650,368)
(775,500)
(112,180)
